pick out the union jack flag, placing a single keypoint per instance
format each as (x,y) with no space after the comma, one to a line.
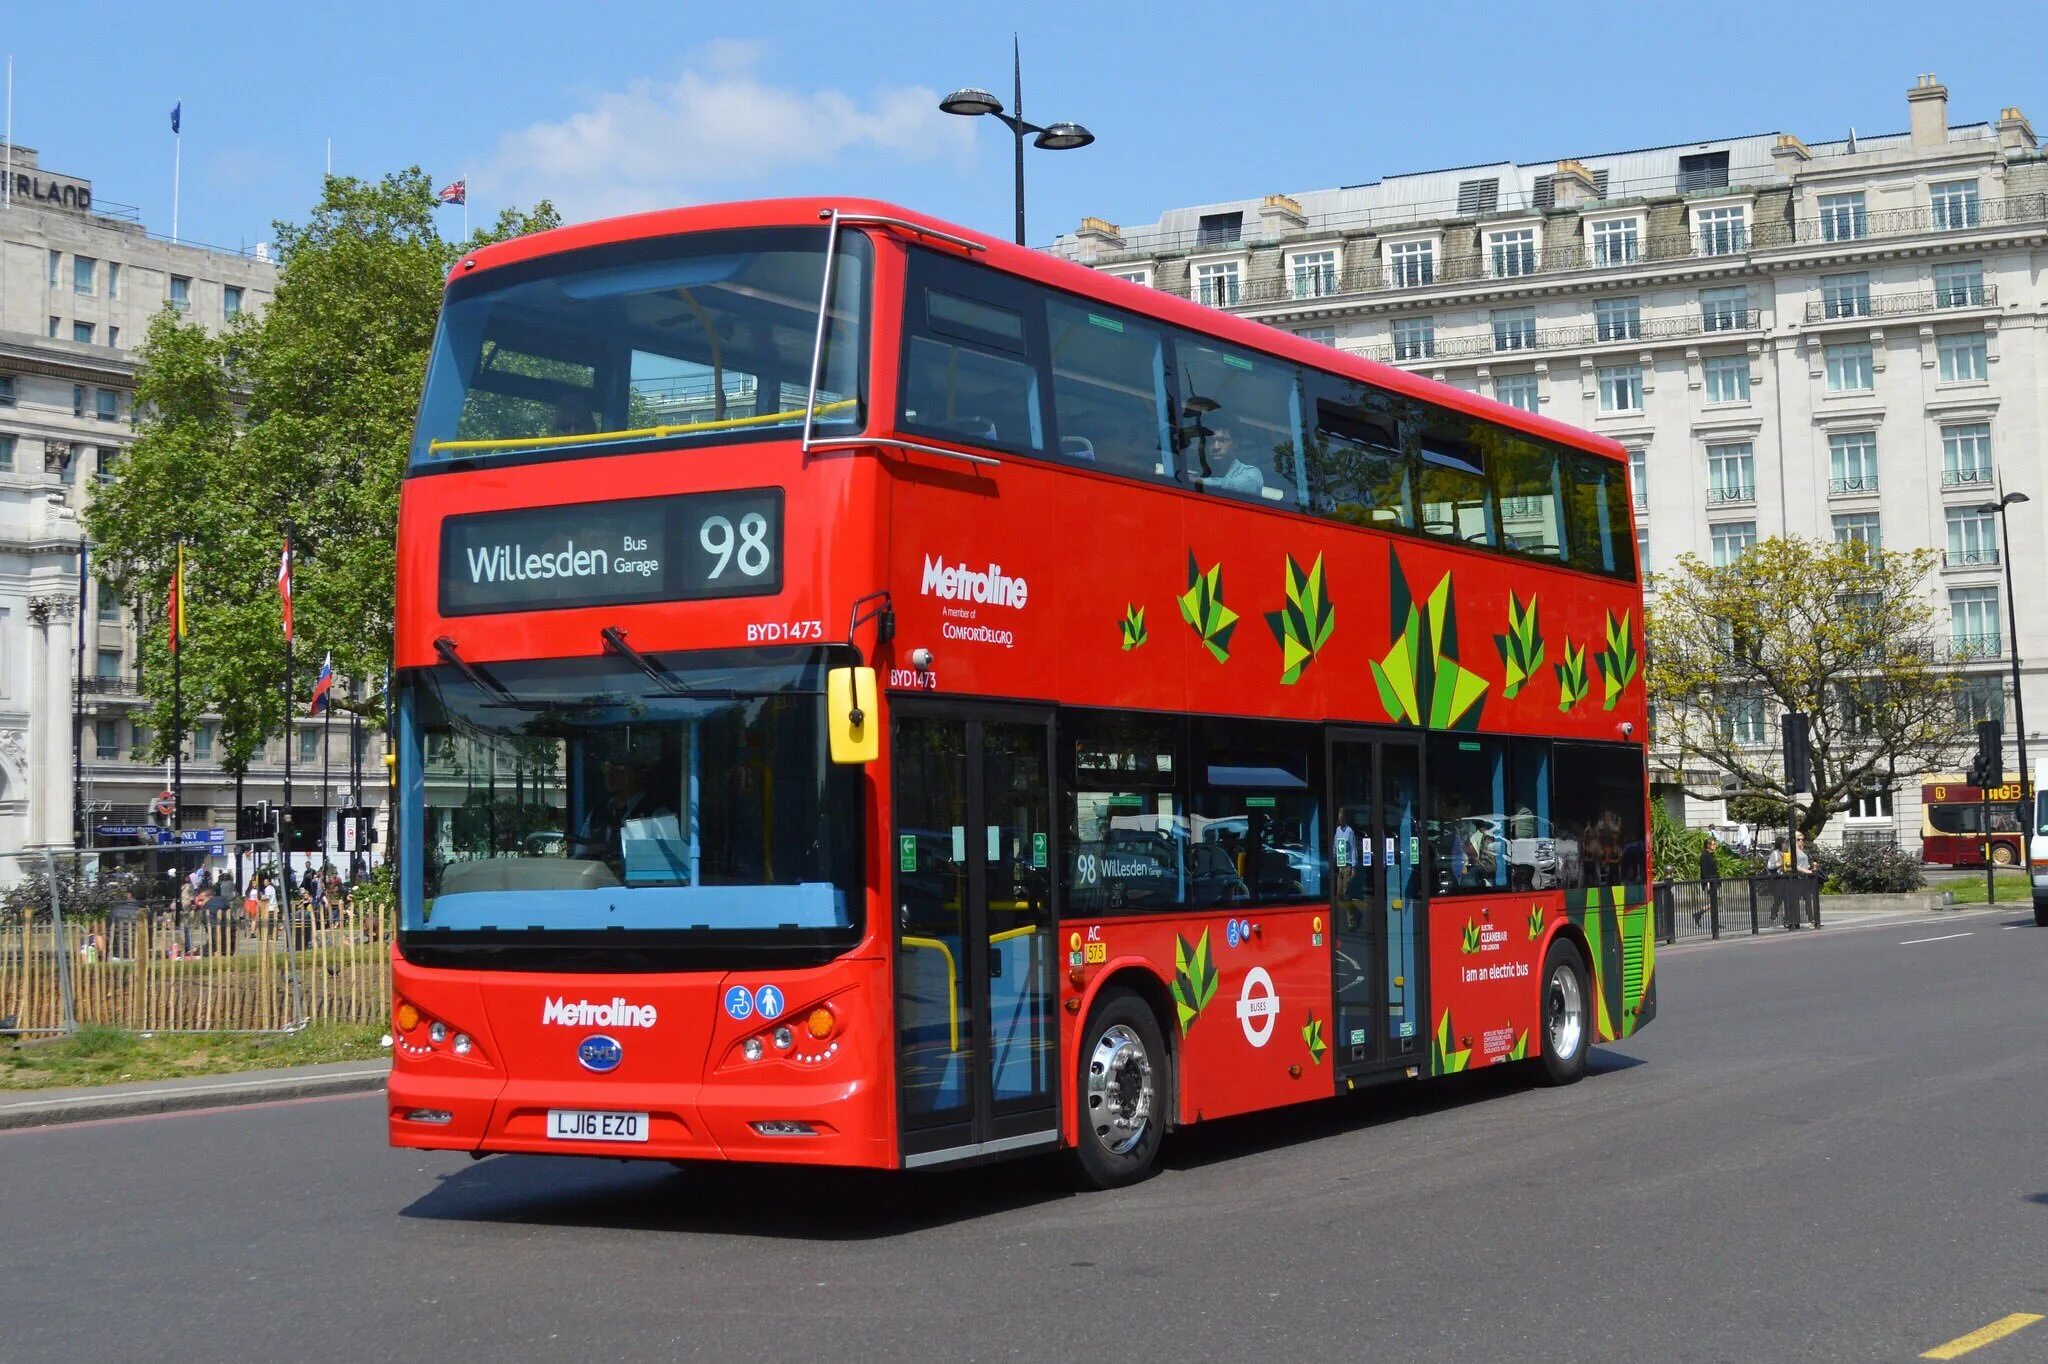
(457,193)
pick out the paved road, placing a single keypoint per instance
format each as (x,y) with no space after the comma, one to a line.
(1828,1147)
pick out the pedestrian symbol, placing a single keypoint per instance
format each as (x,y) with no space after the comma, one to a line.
(768,1002)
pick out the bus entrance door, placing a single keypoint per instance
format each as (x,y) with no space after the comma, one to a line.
(1375,851)
(976,983)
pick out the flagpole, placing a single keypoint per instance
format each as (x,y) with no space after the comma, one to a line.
(284,818)
(178,689)
(10,130)
(177,162)
(465,208)
(326,776)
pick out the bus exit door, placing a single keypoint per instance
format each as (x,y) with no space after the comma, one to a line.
(1376,899)
(976,980)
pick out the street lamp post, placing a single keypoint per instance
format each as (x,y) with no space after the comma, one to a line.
(1056,137)
(2019,709)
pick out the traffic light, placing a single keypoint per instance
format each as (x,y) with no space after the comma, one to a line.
(1798,753)
(1987,769)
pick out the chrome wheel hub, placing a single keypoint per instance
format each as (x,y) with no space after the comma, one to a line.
(1119,1090)
(1567,1013)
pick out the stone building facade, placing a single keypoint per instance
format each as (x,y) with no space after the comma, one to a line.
(1836,339)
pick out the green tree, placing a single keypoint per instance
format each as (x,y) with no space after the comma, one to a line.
(302,414)
(1844,632)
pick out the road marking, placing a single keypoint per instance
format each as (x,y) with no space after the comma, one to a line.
(1943,938)
(1983,1335)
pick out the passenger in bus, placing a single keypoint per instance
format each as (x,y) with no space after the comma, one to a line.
(631,792)
(571,418)
(1217,449)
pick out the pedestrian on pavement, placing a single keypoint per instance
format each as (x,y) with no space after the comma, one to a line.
(1710,883)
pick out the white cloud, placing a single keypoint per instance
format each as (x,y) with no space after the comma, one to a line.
(717,130)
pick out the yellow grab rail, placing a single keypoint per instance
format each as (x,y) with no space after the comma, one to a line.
(952,981)
(638,433)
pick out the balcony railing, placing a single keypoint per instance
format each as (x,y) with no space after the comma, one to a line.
(1565,251)
(1985,557)
(111,686)
(1965,647)
(1965,478)
(1901,304)
(1676,326)
(1853,485)
(1730,494)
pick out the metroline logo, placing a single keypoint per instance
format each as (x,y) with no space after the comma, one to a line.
(958,582)
(583,1014)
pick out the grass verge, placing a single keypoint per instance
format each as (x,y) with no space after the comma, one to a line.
(2014,887)
(105,1056)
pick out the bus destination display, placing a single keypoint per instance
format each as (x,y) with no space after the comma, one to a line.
(724,544)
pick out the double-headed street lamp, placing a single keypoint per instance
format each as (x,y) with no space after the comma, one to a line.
(1056,137)
(2019,710)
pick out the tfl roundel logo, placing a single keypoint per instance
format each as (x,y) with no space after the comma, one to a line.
(599,1053)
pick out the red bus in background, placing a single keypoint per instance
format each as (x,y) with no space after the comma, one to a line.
(1952,824)
(871,695)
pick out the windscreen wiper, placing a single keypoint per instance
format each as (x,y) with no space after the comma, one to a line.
(667,679)
(478,678)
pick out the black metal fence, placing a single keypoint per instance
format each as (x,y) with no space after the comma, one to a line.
(1688,910)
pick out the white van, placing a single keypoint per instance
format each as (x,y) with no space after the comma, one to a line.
(2037,846)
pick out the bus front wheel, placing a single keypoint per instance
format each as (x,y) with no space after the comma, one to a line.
(1567,1014)
(1121,1091)
(2003,855)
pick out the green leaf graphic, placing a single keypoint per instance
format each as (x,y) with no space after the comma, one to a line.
(1471,943)
(1571,677)
(1521,648)
(1312,1033)
(1520,1051)
(1619,663)
(1304,625)
(1201,606)
(1194,979)
(1133,626)
(1446,1061)
(1426,686)
(1536,922)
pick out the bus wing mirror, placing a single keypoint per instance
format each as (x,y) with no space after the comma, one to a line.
(850,711)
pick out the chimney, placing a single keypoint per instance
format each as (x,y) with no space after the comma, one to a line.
(1571,184)
(1927,103)
(2015,134)
(1789,154)
(1097,236)
(1280,215)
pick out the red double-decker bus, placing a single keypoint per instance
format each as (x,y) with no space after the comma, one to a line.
(870,695)
(1953,820)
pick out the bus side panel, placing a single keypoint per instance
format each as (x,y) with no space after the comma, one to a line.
(1486,962)
(1250,1019)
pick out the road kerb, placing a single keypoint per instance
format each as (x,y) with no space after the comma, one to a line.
(27,1109)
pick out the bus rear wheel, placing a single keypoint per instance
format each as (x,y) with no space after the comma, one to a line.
(2002,854)
(1567,1014)
(1120,1092)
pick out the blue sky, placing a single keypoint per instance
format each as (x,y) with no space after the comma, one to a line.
(609,107)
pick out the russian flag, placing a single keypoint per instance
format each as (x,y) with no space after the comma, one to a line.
(322,685)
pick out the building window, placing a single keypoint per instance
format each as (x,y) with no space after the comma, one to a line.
(1842,217)
(106,404)
(1859,528)
(106,738)
(81,332)
(1965,454)
(181,293)
(1414,338)
(1731,472)
(1514,329)
(1618,319)
(1411,263)
(1871,805)
(84,275)
(1216,284)
(6,454)
(1143,277)
(309,745)
(1512,253)
(6,390)
(1724,310)
(113,279)
(113,336)
(108,608)
(1617,241)
(1730,540)
(1852,368)
(230,302)
(1702,171)
(1980,698)
(1621,388)
(1322,336)
(56,267)
(1963,357)
(1643,546)
(1973,620)
(202,743)
(1314,274)
(78,400)
(1727,378)
(1852,462)
(56,325)
(1722,231)
(103,469)
(1219,229)
(1742,719)
(1845,295)
(1517,390)
(1955,203)
(1972,537)
(107,664)
(1959,284)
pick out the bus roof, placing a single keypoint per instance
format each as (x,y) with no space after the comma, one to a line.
(1045,269)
